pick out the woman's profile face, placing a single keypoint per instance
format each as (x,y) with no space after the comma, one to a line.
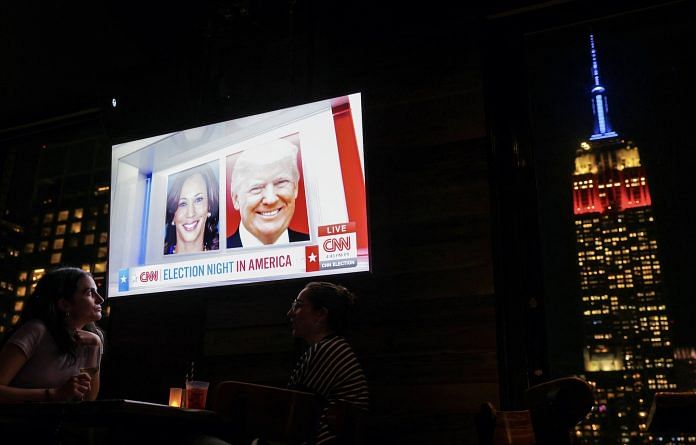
(191,212)
(85,306)
(303,317)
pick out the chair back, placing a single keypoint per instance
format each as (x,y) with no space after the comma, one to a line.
(271,413)
(556,407)
(504,427)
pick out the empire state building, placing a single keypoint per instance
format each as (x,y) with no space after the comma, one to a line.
(628,352)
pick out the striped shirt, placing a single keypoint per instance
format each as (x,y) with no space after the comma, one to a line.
(331,370)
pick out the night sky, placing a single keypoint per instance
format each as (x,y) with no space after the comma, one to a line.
(646,65)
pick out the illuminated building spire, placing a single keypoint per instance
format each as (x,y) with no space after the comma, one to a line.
(600,106)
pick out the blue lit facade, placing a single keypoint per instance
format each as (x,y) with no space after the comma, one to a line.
(600,105)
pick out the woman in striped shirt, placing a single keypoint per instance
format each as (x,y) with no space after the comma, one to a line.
(329,368)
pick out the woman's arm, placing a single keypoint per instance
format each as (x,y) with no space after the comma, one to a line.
(12,359)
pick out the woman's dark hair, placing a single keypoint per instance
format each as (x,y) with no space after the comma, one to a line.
(338,301)
(211,239)
(43,305)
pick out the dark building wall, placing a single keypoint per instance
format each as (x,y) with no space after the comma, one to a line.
(426,327)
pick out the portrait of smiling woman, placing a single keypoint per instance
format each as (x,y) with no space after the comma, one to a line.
(191,223)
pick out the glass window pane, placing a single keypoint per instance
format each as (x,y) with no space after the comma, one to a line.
(611,175)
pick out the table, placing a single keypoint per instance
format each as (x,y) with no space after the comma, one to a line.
(115,421)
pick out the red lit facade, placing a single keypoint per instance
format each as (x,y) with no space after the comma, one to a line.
(617,187)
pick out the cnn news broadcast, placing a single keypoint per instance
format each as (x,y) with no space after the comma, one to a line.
(274,196)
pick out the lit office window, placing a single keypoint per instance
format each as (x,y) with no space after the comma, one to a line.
(76,227)
(77,213)
(15,319)
(28,247)
(2,329)
(37,274)
(91,225)
(60,229)
(103,238)
(43,246)
(89,239)
(55,258)
(58,244)
(19,305)
(48,218)
(23,276)
(63,215)
(45,231)
(100,267)
(21,291)
(86,268)
(102,252)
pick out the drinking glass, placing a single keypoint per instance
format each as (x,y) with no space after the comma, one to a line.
(88,358)
(196,393)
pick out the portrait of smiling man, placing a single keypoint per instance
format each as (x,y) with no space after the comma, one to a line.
(263,188)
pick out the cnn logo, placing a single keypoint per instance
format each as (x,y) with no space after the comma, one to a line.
(334,244)
(150,275)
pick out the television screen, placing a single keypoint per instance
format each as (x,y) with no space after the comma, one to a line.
(273,196)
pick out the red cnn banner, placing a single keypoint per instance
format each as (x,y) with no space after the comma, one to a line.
(311,258)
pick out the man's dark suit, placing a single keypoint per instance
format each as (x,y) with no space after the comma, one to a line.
(236,240)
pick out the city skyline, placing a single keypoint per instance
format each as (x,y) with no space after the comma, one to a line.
(628,351)
(633,53)
(614,234)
